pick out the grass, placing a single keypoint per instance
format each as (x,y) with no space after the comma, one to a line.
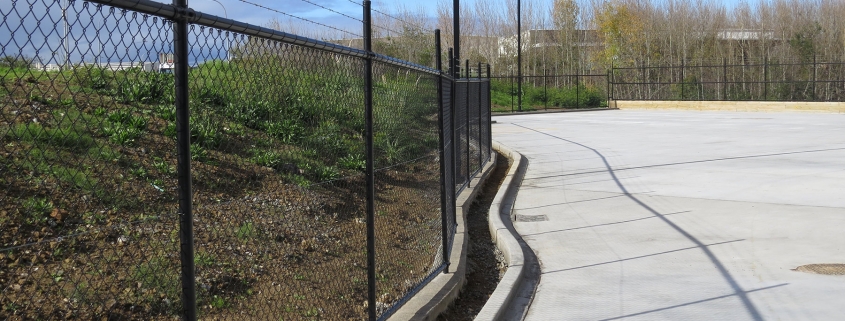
(533,97)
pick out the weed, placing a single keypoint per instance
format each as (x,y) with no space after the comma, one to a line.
(245,231)
(36,209)
(166,112)
(353,162)
(123,128)
(298,277)
(218,302)
(61,137)
(312,312)
(163,167)
(205,132)
(287,131)
(269,158)
(203,259)
(100,112)
(198,153)
(158,274)
(139,172)
(299,297)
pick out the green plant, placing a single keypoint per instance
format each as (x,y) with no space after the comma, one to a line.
(163,167)
(198,153)
(299,296)
(36,210)
(269,158)
(204,259)
(139,172)
(158,274)
(218,302)
(288,131)
(245,231)
(166,112)
(353,162)
(205,132)
(59,137)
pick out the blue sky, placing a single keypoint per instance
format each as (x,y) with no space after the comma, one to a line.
(135,38)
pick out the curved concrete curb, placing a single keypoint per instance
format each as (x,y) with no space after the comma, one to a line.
(441,291)
(517,281)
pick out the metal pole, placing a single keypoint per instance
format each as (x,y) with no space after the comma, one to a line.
(683,81)
(443,206)
(183,148)
(766,78)
(577,89)
(456,35)
(519,53)
(469,132)
(607,92)
(454,160)
(510,77)
(478,121)
(545,93)
(724,79)
(370,166)
(489,115)
(814,77)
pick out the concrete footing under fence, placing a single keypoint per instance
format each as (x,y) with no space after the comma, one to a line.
(762,106)
(438,294)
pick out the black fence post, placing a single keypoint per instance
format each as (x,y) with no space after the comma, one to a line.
(724,79)
(510,77)
(577,88)
(489,114)
(766,78)
(814,77)
(370,165)
(545,92)
(469,131)
(444,228)
(454,160)
(478,121)
(183,147)
(683,80)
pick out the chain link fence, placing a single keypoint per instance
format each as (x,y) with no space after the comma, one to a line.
(164,163)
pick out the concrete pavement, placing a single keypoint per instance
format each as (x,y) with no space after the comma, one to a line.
(656,215)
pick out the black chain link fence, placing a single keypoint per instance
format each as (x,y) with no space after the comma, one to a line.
(97,205)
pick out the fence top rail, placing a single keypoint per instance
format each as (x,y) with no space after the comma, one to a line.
(551,76)
(770,64)
(171,12)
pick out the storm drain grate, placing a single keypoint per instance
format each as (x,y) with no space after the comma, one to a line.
(826,269)
(531,218)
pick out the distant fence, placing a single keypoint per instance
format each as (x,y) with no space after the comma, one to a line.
(301,180)
(754,81)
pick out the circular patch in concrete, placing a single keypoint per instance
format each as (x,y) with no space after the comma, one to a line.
(826,269)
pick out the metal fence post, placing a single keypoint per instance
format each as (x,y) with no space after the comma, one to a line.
(724,79)
(814,78)
(454,161)
(370,165)
(183,147)
(577,88)
(683,80)
(489,114)
(766,78)
(478,121)
(469,132)
(443,206)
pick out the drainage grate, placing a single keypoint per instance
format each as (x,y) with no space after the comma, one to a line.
(531,218)
(826,269)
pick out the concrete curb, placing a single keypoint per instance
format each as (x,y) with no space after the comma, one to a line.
(501,305)
(551,111)
(436,296)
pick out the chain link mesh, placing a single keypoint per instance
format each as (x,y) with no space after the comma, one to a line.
(89,204)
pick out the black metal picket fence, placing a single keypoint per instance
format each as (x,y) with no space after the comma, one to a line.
(763,80)
(231,172)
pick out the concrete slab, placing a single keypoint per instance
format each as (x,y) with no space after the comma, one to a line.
(662,215)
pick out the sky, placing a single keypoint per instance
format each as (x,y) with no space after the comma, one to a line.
(34,28)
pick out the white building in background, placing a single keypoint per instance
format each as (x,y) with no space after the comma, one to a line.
(164,64)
